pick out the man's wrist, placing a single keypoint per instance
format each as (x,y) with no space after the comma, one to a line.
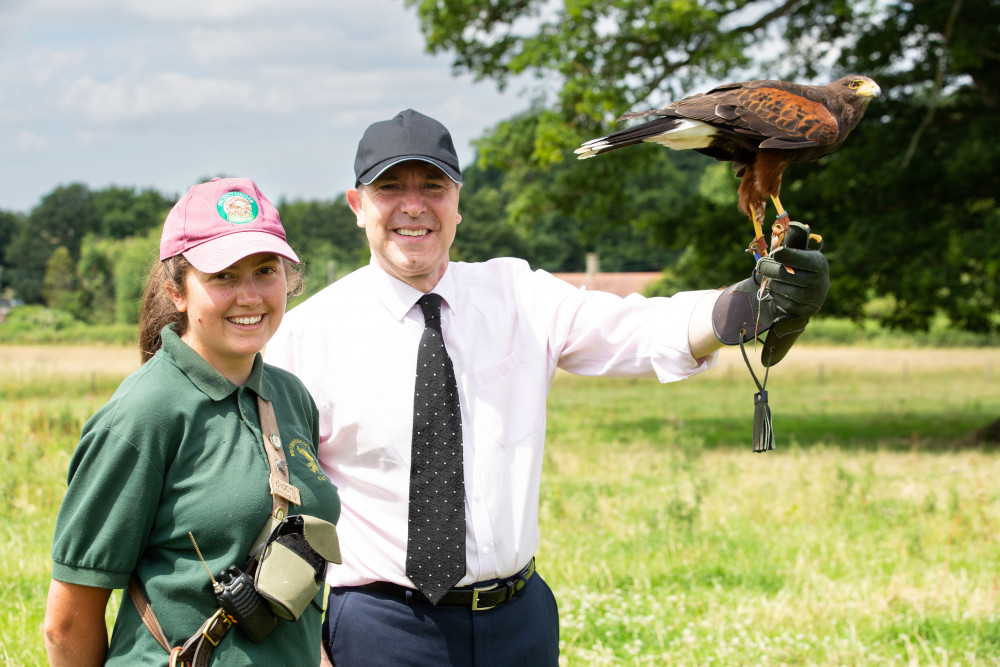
(701,334)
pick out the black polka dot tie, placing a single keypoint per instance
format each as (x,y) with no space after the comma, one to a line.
(435,551)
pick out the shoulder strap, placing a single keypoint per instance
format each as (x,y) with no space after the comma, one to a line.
(282,491)
(142,605)
(197,649)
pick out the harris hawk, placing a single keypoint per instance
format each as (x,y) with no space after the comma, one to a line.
(759,126)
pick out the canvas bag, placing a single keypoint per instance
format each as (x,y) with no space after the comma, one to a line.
(293,563)
(292,550)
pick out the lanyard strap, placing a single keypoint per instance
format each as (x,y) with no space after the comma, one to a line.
(282,491)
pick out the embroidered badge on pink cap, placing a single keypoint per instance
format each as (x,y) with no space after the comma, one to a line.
(218,223)
(237,207)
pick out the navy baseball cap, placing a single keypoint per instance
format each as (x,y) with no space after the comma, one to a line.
(410,135)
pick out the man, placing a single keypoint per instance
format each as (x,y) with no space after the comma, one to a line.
(506,330)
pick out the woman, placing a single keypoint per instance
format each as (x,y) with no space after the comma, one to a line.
(176,457)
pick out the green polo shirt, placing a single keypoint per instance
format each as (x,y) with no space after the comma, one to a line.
(178,448)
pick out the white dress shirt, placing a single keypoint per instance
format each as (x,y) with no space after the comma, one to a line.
(507,330)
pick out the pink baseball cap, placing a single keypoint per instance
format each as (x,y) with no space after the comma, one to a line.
(218,223)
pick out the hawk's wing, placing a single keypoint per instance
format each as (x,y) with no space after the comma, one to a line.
(770,114)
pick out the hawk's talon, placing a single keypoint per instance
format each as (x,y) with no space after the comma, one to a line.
(778,230)
(758,247)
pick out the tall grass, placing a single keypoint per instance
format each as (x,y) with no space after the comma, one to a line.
(869,537)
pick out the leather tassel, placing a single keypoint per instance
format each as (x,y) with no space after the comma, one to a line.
(763,433)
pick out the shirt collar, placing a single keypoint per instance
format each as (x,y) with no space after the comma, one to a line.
(398,297)
(201,373)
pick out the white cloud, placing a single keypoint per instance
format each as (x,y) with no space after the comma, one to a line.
(127,99)
(247,46)
(27,140)
(153,94)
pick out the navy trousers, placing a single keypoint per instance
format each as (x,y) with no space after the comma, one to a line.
(364,627)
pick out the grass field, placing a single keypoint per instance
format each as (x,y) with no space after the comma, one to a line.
(870,537)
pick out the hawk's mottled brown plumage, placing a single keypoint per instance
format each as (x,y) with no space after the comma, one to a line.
(760,126)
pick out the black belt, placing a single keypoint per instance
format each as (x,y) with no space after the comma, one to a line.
(477,599)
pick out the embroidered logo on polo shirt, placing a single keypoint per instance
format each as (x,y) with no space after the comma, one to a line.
(237,207)
(299,448)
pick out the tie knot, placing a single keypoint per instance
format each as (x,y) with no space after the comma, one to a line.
(431,305)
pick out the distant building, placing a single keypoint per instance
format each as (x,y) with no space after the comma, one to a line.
(621,284)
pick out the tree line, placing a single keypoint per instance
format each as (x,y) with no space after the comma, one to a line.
(907,207)
(87,252)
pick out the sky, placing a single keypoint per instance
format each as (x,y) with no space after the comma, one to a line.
(163,94)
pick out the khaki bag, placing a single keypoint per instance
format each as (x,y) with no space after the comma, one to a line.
(293,563)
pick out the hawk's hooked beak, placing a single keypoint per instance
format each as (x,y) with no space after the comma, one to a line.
(868,88)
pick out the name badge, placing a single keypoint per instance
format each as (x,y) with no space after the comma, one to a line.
(289,492)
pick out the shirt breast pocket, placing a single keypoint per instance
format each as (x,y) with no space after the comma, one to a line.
(510,400)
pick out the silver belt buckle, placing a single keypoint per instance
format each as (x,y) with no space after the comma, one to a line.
(475,598)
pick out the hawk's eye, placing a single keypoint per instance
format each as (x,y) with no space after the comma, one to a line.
(854,84)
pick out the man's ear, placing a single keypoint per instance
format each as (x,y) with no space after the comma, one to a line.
(354,201)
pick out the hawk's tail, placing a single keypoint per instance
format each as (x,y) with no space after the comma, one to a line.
(630,135)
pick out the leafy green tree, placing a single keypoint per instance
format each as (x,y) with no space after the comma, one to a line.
(95,280)
(514,203)
(122,212)
(907,206)
(24,259)
(60,282)
(9,224)
(324,234)
(485,231)
(602,57)
(133,258)
(930,172)
(554,216)
(62,219)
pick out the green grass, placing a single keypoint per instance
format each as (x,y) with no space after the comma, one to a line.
(869,537)
(27,325)
(41,414)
